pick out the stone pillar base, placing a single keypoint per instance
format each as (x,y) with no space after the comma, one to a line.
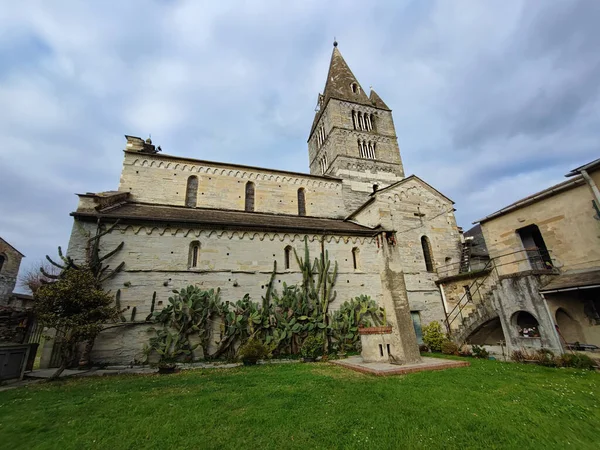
(377,344)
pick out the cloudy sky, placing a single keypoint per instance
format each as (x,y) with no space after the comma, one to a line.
(492,100)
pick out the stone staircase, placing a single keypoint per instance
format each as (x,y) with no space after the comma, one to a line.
(481,313)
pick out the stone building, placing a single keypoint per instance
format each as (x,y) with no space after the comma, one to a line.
(190,221)
(10,261)
(541,285)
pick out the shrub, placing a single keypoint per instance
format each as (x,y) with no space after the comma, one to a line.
(546,357)
(433,336)
(252,351)
(312,347)
(576,360)
(479,352)
(449,348)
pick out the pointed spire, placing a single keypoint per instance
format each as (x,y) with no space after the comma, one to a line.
(341,82)
(376,100)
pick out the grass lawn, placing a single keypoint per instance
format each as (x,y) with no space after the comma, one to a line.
(488,405)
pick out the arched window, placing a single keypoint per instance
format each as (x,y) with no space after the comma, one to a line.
(527,325)
(301,202)
(194,257)
(354,119)
(2,259)
(287,253)
(191,192)
(249,196)
(355,252)
(354,87)
(427,253)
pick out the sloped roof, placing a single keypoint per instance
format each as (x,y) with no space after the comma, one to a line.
(409,178)
(549,192)
(478,246)
(376,100)
(570,280)
(588,167)
(373,195)
(3,240)
(339,86)
(226,219)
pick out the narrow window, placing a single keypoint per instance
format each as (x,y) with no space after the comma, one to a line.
(194,254)
(427,253)
(191,192)
(372,121)
(301,202)
(287,255)
(249,196)
(368,117)
(362,121)
(354,119)
(467,289)
(381,349)
(2,259)
(354,87)
(355,257)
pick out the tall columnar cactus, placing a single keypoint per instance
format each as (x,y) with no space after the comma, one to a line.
(118,304)
(149,316)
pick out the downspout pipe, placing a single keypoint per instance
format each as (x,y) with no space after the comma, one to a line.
(592,185)
(554,332)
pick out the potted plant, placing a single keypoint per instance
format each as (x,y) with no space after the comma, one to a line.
(312,347)
(252,351)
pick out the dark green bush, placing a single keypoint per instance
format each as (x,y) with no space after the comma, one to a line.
(449,348)
(252,351)
(312,347)
(576,360)
(433,336)
(479,352)
(546,357)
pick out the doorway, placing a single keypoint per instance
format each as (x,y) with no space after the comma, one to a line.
(534,244)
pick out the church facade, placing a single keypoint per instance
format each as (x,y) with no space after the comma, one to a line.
(219,225)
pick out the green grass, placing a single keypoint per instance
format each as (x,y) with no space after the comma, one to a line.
(488,405)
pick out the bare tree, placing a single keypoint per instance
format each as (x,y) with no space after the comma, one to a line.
(34,278)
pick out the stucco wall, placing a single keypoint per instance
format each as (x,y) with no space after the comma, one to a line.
(578,327)
(566,222)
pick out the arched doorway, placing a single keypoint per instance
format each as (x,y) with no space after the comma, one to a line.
(569,328)
(488,333)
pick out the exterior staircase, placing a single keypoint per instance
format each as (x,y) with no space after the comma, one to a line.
(481,313)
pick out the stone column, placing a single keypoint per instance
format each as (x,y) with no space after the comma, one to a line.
(405,349)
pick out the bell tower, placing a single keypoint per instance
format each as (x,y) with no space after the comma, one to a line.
(353,135)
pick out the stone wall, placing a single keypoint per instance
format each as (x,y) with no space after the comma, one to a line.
(566,222)
(157,260)
(9,271)
(341,137)
(414,210)
(160,179)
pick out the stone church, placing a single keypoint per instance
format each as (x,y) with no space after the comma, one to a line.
(222,225)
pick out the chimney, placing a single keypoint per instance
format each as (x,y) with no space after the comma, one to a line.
(134,143)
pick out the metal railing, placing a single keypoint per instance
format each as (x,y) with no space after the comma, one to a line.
(538,260)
